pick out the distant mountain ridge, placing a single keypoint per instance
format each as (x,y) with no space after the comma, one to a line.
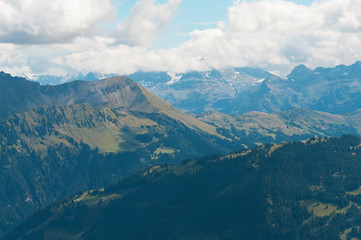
(197,92)
(19,95)
(334,90)
(56,80)
(239,90)
(293,124)
(190,92)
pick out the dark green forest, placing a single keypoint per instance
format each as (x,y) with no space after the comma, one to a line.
(298,190)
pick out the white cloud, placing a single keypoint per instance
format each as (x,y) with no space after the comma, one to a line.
(324,33)
(41,21)
(277,35)
(13,60)
(272,34)
(146,20)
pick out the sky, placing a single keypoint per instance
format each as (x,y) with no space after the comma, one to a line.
(60,37)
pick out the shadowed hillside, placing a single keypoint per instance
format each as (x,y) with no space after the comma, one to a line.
(302,190)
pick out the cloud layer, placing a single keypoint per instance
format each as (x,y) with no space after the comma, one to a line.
(272,34)
(40,21)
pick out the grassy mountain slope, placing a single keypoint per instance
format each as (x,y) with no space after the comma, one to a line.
(41,151)
(107,129)
(18,95)
(303,190)
(293,124)
(354,119)
(48,126)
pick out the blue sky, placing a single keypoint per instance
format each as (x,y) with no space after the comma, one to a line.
(192,15)
(62,37)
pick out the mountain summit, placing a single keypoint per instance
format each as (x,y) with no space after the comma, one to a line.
(19,95)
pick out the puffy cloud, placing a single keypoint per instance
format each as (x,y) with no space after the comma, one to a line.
(14,60)
(277,35)
(41,21)
(272,34)
(146,19)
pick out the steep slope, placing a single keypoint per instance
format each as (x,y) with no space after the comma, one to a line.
(116,118)
(355,119)
(109,130)
(19,95)
(304,190)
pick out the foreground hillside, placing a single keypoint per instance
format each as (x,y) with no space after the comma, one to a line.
(302,190)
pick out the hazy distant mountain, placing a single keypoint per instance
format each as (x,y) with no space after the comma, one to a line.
(197,92)
(333,90)
(303,190)
(55,80)
(240,90)
(191,92)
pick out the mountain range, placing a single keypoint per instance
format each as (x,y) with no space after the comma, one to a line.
(240,90)
(61,140)
(57,140)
